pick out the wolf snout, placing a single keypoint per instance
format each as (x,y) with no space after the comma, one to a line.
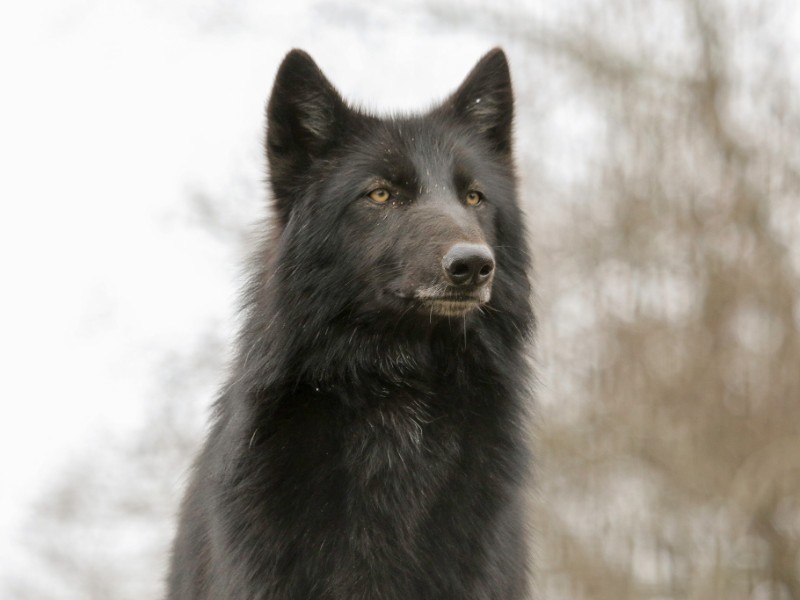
(468,264)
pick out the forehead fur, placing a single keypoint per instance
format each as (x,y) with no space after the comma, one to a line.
(413,151)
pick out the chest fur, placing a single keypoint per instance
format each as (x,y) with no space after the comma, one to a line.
(397,456)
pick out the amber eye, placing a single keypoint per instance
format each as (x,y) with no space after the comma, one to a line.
(380,196)
(473,198)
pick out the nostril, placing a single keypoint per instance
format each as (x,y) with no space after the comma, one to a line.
(459,269)
(485,269)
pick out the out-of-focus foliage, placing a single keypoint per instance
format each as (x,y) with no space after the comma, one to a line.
(668,292)
(669,285)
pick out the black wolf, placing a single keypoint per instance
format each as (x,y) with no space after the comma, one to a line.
(370,441)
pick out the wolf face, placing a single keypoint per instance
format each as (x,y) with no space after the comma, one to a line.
(398,215)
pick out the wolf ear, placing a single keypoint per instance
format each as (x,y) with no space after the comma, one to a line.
(485,100)
(305,116)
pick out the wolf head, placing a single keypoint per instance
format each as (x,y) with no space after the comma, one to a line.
(414,216)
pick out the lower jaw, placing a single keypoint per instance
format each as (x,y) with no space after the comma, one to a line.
(449,308)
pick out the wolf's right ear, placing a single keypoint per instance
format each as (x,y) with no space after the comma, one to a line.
(305,116)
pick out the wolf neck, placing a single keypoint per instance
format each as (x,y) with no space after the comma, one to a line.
(360,358)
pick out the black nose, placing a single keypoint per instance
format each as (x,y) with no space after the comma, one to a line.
(468,264)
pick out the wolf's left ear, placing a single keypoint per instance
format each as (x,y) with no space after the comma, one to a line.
(485,100)
(305,117)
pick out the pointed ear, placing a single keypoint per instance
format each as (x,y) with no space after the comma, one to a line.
(485,100)
(305,117)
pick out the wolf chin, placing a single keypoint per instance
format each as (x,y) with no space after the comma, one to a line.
(370,442)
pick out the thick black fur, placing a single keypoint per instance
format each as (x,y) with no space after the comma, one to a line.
(370,443)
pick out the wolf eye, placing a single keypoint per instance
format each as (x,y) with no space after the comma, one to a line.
(380,196)
(473,198)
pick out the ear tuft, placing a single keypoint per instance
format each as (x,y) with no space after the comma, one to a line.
(485,100)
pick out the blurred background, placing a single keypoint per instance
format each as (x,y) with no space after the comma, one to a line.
(659,168)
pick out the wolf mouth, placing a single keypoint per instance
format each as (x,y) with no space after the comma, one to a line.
(450,307)
(441,300)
